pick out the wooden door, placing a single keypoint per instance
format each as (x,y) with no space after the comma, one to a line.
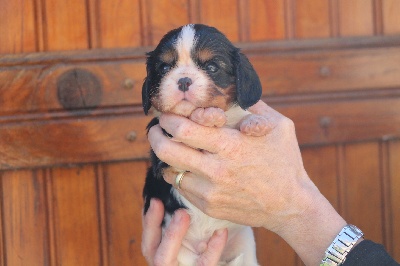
(73,150)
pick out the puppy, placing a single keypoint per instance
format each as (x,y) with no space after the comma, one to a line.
(196,72)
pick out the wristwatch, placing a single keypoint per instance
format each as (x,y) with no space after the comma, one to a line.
(342,244)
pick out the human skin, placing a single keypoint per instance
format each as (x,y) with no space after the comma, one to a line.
(256,181)
(165,252)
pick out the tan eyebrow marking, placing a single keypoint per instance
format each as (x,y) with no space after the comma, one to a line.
(205,54)
(168,57)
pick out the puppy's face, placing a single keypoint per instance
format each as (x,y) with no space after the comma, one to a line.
(197,66)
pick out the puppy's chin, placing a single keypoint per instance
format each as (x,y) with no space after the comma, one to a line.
(183,108)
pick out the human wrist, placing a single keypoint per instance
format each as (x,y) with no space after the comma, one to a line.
(314,227)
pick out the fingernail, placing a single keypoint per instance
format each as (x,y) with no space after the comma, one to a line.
(177,217)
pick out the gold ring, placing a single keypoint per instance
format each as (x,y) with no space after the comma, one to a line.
(179,178)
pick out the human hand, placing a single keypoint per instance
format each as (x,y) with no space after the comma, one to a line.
(244,179)
(257,181)
(164,250)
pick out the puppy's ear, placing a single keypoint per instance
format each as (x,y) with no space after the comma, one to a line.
(248,85)
(146,96)
(146,87)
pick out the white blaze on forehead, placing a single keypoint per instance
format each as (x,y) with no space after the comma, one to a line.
(185,43)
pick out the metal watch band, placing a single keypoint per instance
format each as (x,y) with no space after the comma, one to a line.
(342,244)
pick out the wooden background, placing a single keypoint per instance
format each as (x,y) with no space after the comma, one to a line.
(73,150)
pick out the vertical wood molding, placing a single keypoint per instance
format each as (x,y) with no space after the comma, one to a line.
(378,17)
(49,198)
(94,30)
(194,11)
(290,18)
(341,178)
(102,213)
(334,18)
(243,20)
(145,22)
(39,28)
(386,195)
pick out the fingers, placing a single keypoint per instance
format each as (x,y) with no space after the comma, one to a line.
(176,154)
(151,235)
(198,136)
(215,247)
(168,250)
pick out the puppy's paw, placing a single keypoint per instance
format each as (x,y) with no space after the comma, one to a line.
(209,117)
(254,125)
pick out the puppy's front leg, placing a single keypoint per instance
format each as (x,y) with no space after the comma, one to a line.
(254,125)
(209,117)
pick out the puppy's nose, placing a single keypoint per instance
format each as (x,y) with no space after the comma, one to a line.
(184,83)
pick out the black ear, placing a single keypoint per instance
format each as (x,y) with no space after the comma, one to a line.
(146,87)
(248,85)
(146,95)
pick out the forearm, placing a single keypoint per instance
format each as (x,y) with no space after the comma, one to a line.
(311,231)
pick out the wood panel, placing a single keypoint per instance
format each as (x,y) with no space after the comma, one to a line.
(75,210)
(311,19)
(115,24)
(391,19)
(272,249)
(163,16)
(123,186)
(356,18)
(24,217)
(73,140)
(283,69)
(17,17)
(322,166)
(266,20)
(223,15)
(361,189)
(65,28)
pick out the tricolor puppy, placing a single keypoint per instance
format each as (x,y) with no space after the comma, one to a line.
(196,72)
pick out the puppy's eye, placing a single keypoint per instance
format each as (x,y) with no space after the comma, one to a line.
(164,68)
(212,67)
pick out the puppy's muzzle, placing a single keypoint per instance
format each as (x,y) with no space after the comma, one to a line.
(184,83)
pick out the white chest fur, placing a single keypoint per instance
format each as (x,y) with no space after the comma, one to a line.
(240,248)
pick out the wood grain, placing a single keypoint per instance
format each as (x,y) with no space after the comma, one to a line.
(17,27)
(223,15)
(25,222)
(391,19)
(311,19)
(163,16)
(296,69)
(123,184)
(356,18)
(118,23)
(362,189)
(266,20)
(65,28)
(73,141)
(272,249)
(76,216)
(321,165)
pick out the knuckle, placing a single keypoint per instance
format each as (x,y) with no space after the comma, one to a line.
(287,123)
